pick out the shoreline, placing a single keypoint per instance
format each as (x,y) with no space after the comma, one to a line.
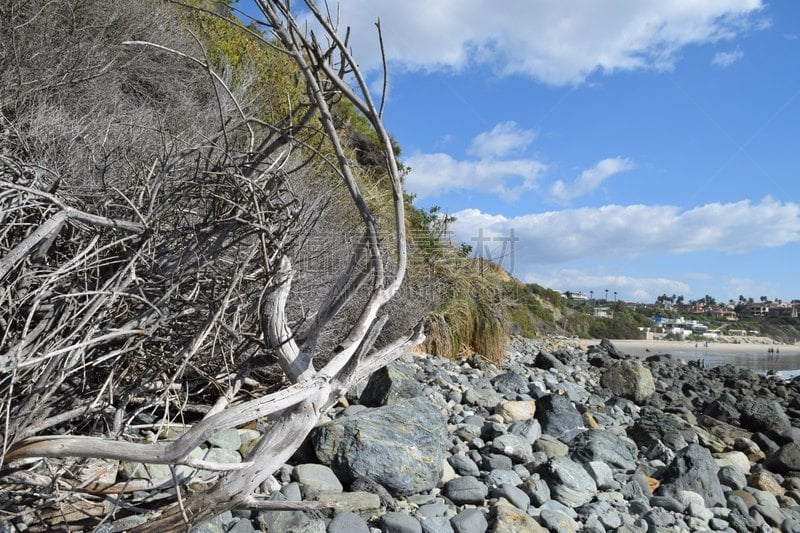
(753,355)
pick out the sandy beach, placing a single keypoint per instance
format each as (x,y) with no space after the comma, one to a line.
(745,354)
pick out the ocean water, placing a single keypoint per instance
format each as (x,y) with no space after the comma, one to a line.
(786,363)
(753,356)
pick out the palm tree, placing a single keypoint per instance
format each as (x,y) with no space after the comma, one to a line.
(606,294)
(615,296)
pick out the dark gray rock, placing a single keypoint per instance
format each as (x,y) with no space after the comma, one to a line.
(760,414)
(390,384)
(656,425)
(481,397)
(496,461)
(463,465)
(289,521)
(603,512)
(530,430)
(785,459)
(470,521)
(495,478)
(659,520)
(432,509)
(667,502)
(693,469)
(436,524)
(464,490)
(629,379)
(601,445)
(510,384)
(558,417)
(491,430)
(514,447)
(732,477)
(610,349)
(514,495)
(766,444)
(557,521)
(602,475)
(569,482)
(636,488)
(722,410)
(347,523)
(400,446)
(397,522)
(537,489)
(546,361)
(373,487)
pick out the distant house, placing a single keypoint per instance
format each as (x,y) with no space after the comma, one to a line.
(723,314)
(603,312)
(783,310)
(737,332)
(757,309)
(575,296)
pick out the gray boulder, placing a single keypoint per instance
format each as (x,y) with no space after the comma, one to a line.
(558,417)
(694,469)
(390,384)
(600,445)
(655,425)
(518,449)
(510,384)
(400,446)
(629,379)
(786,459)
(482,397)
(760,414)
(569,483)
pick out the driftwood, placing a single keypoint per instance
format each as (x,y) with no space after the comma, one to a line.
(234,270)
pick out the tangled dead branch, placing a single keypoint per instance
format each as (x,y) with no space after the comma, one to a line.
(159,274)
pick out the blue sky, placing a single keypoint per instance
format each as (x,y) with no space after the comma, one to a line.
(639,146)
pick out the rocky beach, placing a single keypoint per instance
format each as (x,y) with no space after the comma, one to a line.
(561,437)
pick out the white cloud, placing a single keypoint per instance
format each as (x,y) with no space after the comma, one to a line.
(726,59)
(505,138)
(628,231)
(434,174)
(590,179)
(556,42)
(438,173)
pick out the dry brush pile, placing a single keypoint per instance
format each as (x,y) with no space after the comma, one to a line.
(151,229)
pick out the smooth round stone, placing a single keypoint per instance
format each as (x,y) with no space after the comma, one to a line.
(514,495)
(463,465)
(469,521)
(347,523)
(398,522)
(467,489)
(433,509)
(496,461)
(495,478)
(437,524)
